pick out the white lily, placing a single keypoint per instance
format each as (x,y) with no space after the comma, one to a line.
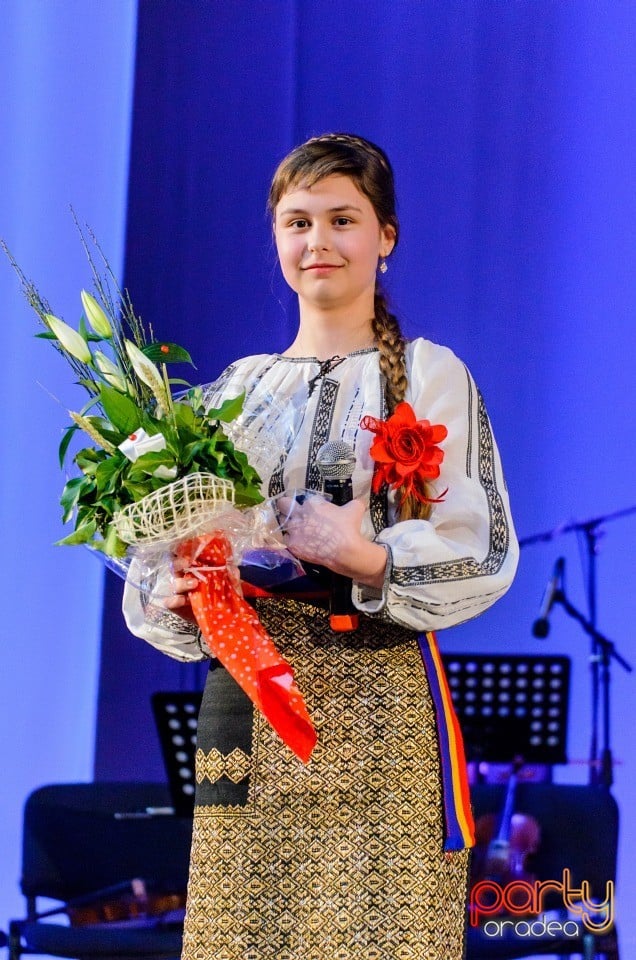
(165,473)
(110,371)
(96,316)
(72,341)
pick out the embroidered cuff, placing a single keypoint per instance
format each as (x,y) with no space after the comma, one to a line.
(371,600)
(161,617)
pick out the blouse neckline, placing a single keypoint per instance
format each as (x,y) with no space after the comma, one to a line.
(354,353)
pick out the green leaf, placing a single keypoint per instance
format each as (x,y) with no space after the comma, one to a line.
(147,463)
(82,328)
(184,416)
(109,505)
(92,386)
(64,445)
(107,477)
(194,397)
(104,426)
(229,409)
(83,534)
(86,513)
(111,545)
(205,451)
(89,457)
(120,409)
(137,490)
(45,335)
(89,335)
(88,460)
(247,496)
(164,352)
(71,494)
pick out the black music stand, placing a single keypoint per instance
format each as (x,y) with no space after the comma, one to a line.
(176,717)
(511,707)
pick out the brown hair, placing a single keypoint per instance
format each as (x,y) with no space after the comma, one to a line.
(368,166)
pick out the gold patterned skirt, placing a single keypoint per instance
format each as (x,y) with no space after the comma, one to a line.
(341,859)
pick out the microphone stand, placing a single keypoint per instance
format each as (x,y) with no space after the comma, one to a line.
(600,773)
(604,771)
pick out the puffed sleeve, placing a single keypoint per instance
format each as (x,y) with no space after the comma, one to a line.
(450,568)
(147,618)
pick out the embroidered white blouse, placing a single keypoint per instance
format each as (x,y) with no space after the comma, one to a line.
(441,571)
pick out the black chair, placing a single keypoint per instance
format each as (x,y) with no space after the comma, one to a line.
(578,831)
(116,861)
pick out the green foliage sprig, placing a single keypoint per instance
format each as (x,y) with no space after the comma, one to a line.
(130,398)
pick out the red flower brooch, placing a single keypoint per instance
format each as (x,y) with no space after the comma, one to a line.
(406,453)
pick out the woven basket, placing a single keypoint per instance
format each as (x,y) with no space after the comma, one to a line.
(180,509)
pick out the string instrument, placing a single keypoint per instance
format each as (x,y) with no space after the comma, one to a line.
(502,851)
(137,903)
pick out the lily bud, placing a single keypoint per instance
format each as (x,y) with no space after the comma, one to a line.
(72,341)
(110,372)
(96,316)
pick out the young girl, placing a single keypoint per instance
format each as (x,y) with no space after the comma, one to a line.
(362,853)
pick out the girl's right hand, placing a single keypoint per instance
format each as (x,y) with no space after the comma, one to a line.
(179,601)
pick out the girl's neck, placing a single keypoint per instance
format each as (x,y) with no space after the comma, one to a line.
(325,337)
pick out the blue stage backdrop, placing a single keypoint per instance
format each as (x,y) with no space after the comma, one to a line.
(511,128)
(66,75)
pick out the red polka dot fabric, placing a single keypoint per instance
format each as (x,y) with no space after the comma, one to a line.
(238,639)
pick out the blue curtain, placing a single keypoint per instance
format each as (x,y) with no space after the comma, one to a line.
(66,73)
(511,129)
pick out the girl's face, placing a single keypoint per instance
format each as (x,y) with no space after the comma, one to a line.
(329,241)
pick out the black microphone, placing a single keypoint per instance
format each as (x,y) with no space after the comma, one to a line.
(335,461)
(541,626)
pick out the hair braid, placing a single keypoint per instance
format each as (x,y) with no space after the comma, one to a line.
(391,344)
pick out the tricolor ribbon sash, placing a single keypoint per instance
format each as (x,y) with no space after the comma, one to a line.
(458,816)
(237,638)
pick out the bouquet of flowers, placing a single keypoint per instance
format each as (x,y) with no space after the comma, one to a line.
(163,479)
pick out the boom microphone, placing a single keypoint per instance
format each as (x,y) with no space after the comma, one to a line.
(541,626)
(335,462)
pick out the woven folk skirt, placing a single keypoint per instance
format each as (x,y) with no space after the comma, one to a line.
(342,858)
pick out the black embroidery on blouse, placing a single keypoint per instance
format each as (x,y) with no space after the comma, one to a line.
(212,390)
(467,568)
(469,445)
(321,430)
(379,502)
(277,480)
(326,367)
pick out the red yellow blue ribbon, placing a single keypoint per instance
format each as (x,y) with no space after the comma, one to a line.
(458,816)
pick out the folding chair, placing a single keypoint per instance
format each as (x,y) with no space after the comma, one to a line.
(115,858)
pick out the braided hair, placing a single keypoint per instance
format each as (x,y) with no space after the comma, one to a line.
(368,166)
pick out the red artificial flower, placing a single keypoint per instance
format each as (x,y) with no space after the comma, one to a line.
(405,452)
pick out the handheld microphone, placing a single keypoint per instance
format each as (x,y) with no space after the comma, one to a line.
(335,462)
(541,626)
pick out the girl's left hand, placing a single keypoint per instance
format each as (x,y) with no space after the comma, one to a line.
(321,532)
